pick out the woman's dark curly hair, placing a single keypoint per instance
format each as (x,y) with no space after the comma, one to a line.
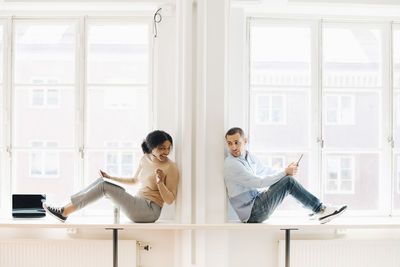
(154,139)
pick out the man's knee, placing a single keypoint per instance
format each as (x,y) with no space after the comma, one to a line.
(288,179)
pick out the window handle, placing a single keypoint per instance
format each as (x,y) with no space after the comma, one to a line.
(321,141)
(8,149)
(82,151)
(391,141)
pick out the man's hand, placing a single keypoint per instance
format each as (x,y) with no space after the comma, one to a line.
(160,176)
(292,169)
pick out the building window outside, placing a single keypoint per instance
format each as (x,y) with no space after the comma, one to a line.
(339,109)
(44,163)
(120,163)
(45,98)
(277,162)
(339,174)
(270,109)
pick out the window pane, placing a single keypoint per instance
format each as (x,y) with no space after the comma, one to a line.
(44,52)
(118,54)
(124,125)
(57,188)
(396,85)
(286,127)
(1,53)
(396,187)
(37,97)
(43,123)
(126,158)
(396,57)
(112,158)
(396,116)
(280,55)
(352,56)
(52,97)
(280,80)
(51,164)
(36,163)
(360,169)
(354,126)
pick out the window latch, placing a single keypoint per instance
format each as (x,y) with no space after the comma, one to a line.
(391,141)
(82,152)
(321,141)
(8,149)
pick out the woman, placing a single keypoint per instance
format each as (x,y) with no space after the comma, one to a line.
(158,177)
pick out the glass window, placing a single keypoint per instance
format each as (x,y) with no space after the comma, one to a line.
(340,174)
(271,109)
(352,87)
(43,108)
(339,109)
(396,115)
(44,163)
(53,117)
(280,84)
(120,163)
(280,95)
(37,98)
(117,92)
(344,115)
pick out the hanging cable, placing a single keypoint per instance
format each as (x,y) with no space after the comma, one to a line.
(157,19)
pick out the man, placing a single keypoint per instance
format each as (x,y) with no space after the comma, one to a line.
(244,174)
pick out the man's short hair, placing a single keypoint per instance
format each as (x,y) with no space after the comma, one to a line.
(235,130)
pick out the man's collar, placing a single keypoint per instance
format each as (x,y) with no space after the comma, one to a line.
(241,156)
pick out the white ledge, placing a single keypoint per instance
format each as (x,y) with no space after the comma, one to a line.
(272,224)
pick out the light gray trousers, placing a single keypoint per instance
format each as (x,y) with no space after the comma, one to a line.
(137,208)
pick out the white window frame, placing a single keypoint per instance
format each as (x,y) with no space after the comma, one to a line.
(339,109)
(43,156)
(270,109)
(397,104)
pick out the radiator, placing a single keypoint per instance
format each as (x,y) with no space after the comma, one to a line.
(65,253)
(341,253)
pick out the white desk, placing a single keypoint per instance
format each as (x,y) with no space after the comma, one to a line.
(284,223)
(271,224)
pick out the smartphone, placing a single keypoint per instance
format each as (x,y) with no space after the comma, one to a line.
(301,156)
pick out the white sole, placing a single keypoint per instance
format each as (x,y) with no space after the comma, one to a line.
(329,218)
(48,212)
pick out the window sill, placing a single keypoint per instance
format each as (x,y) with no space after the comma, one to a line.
(276,223)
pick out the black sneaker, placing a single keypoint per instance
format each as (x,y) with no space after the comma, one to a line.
(55,212)
(330,213)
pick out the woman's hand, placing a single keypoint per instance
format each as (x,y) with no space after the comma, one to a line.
(160,176)
(104,174)
(292,169)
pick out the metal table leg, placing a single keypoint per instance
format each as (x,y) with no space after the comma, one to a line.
(287,246)
(115,245)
